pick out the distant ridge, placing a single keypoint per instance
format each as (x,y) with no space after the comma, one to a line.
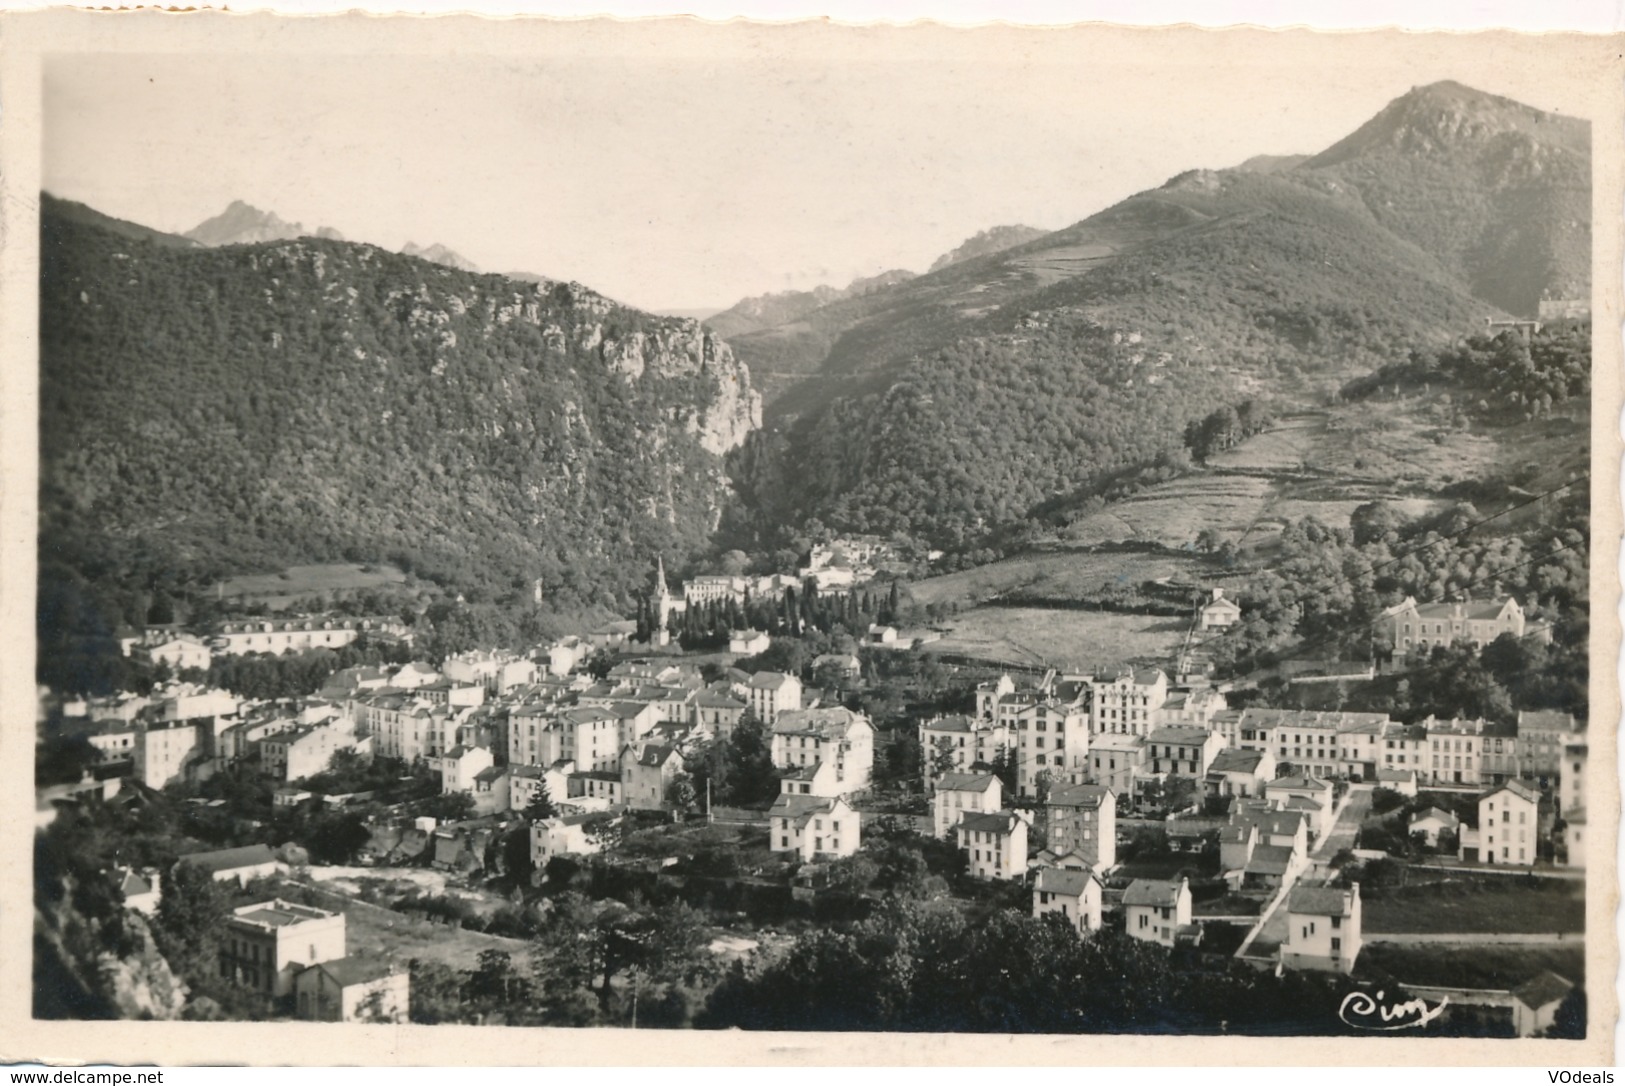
(72,211)
(439,254)
(244,224)
(993,240)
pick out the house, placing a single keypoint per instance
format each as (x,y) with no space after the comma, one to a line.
(1508,827)
(718,712)
(496,672)
(1129,703)
(1574,828)
(1312,796)
(353,990)
(1542,735)
(1199,708)
(1402,781)
(772,693)
(882,635)
(811,827)
(264,946)
(1239,772)
(995,845)
(604,785)
(613,635)
(294,634)
(526,783)
(574,834)
(492,791)
(838,736)
(1237,842)
(813,779)
(1270,866)
(289,796)
(748,642)
(1323,928)
(1418,628)
(460,765)
(303,751)
(847,666)
(183,653)
(1535,1002)
(1083,819)
(964,741)
(1181,750)
(1073,893)
(1117,761)
(140,888)
(1218,613)
(1432,822)
(166,754)
(647,771)
(1154,909)
(243,864)
(961,794)
(567,654)
(1572,778)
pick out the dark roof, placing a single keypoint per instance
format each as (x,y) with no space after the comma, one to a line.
(1544,988)
(950,724)
(1546,720)
(655,755)
(965,782)
(1078,795)
(768,680)
(1063,880)
(1154,892)
(1178,733)
(1236,761)
(1443,816)
(1517,788)
(490,774)
(230,859)
(1319,901)
(1270,860)
(1000,822)
(356,970)
(1300,783)
(799,807)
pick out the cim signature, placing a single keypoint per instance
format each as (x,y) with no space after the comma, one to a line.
(1365,1011)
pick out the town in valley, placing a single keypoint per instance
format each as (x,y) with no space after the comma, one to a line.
(1173,623)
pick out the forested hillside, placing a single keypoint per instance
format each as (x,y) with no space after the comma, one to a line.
(215,410)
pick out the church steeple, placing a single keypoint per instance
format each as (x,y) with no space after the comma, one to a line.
(661,591)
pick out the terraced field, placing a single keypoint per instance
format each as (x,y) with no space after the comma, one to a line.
(1084,640)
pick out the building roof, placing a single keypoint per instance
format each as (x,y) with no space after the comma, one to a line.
(828,724)
(1068,881)
(1270,860)
(1314,783)
(1179,733)
(711,699)
(1541,990)
(1223,603)
(1236,761)
(1303,803)
(1384,773)
(347,972)
(655,755)
(1446,817)
(768,680)
(799,808)
(133,884)
(966,782)
(950,724)
(1548,720)
(280,914)
(1517,788)
(485,776)
(1320,901)
(230,859)
(1157,893)
(801,772)
(1576,817)
(1079,795)
(999,822)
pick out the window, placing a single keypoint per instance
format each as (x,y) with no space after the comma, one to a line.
(1337,923)
(1337,944)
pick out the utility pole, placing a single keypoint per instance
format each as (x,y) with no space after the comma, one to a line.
(709,818)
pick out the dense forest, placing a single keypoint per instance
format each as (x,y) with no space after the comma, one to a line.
(243,408)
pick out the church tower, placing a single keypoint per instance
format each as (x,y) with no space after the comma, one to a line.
(665,605)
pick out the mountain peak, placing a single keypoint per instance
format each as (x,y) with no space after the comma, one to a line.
(244,224)
(1446,115)
(439,254)
(995,239)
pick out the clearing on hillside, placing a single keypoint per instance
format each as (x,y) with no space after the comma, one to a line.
(278,590)
(1091,641)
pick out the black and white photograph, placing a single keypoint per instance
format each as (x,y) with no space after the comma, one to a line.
(749,530)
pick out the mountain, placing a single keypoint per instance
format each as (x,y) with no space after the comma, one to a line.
(994,240)
(1272,163)
(439,254)
(772,310)
(1497,191)
(70,211)
(221,409)
(244,224)
(959,401)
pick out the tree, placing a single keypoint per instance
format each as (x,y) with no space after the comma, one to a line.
(191,913)
(942,756)
(680,795)
(540,806)
(751,773)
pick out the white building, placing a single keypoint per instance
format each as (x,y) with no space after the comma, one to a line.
(772,693)
(810,827)
(1155,909)
(995,844)
(838,737)
(1508,827)
(1323,928)
(961,794)
(1072,892)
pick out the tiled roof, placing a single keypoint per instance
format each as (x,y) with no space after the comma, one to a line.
(1063,880)
(355,970)
(1078,795)
(965,782)
(1179,733)
(1000,822)
(1517,788)
(1320,901)
(1237,761)
(1154,892)
(230,859)
(1270,860)
(1542,989)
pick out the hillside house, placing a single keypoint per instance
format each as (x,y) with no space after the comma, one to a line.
(647,771)
(1117,761)
(265,946)
(1432,822)
(571,835)
(1218,613)
(1129,703)
(1535,1003)
(1074,893)
(772,693)
(353,989)
(183,653)
(1542,736)
(1181,750)
(967,742)
(837,736)
(1323,928)
(995,844)
(748,642)
(1310,795)
(460,766)
(1083,820)
(1508,827)
(1155,909)
(1239,772)
(1571,781)
(960,794)
(1417,628)
(243,864)
(811,827)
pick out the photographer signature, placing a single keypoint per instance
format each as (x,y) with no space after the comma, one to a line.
(1365,1011)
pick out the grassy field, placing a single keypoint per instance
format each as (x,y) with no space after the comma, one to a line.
(1486,967)
(1493,904)
(277,590)
(1065,572)
(379,932)
(1092,640)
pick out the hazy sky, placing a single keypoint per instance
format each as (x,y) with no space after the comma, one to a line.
(673,182)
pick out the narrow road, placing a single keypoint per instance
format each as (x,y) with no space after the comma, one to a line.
(1484,938)
(1271,927)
